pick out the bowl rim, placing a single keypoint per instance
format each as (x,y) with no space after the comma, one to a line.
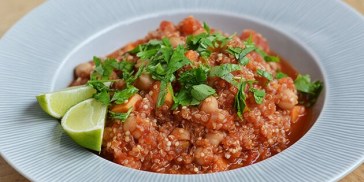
(50,4)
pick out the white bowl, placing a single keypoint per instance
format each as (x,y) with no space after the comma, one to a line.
(39,53)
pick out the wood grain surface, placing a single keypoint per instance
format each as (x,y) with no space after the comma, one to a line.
(12,10)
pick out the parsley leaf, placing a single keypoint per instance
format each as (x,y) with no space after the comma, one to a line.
(184,98)
(194,76)
(224,71)
(162,93)
(280,75)
(120,97)
(267,57)
(204,42)
(103,69)
(202,91)
(102,91)
(240,98)
(303,84)
(189,79)
(240,54)
(308,91)
(206,27)
(121,116)
(258,95)
(265,74)
(164,61)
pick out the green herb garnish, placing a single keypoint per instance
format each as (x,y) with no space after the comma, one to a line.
(103,69)
(267,57)
(309,91)
(203,43)
(202,91)
(164,61)
(280,75)
(121,116)
(265,74)
(194,88)
(102,91)
(120,97)
(224,71)
(258,95)
(240,99)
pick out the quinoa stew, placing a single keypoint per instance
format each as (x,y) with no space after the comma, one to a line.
(189,99)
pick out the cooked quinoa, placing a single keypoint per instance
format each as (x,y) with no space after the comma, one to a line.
(210,135)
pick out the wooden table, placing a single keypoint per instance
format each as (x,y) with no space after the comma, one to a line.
(12,10)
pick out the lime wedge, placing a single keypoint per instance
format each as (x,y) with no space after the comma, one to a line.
(57,103)
(84,123)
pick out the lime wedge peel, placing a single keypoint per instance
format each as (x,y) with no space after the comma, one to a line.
(85,122)
(57,103)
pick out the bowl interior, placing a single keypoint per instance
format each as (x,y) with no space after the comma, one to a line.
(116,36)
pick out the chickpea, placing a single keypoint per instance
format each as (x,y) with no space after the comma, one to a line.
(175,41)
(203,156)
(132,102)
(130,123)
(144,82)
(209,105)
(215,137)
(181,134)
(220,164)
(120,84)
(288,99)
(84,70)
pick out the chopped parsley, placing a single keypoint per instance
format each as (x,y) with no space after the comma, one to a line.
(194,76)
(202,91)
(205,42)
(120,97)
(240,99)
(267,57)
(265,74)
(103,69)
(102,91)
(280,75)
(240,54)
(163,62)
(309,90)
(224,71)
(121,116)
(194,88)
(258,95)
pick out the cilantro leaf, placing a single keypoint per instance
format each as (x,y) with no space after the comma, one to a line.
(120,97)
(258,95)
(203,43)
(303,84)
(308,91)
(240,99)
(224,71)
(184,98)
(103,68)
(240,54)
(194,76)
(206,27)
(280,75)
(202,91)
(265,74)
(121,116)
(102,97)
(267,57)
(102,91)
(189,79)
(162,93)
